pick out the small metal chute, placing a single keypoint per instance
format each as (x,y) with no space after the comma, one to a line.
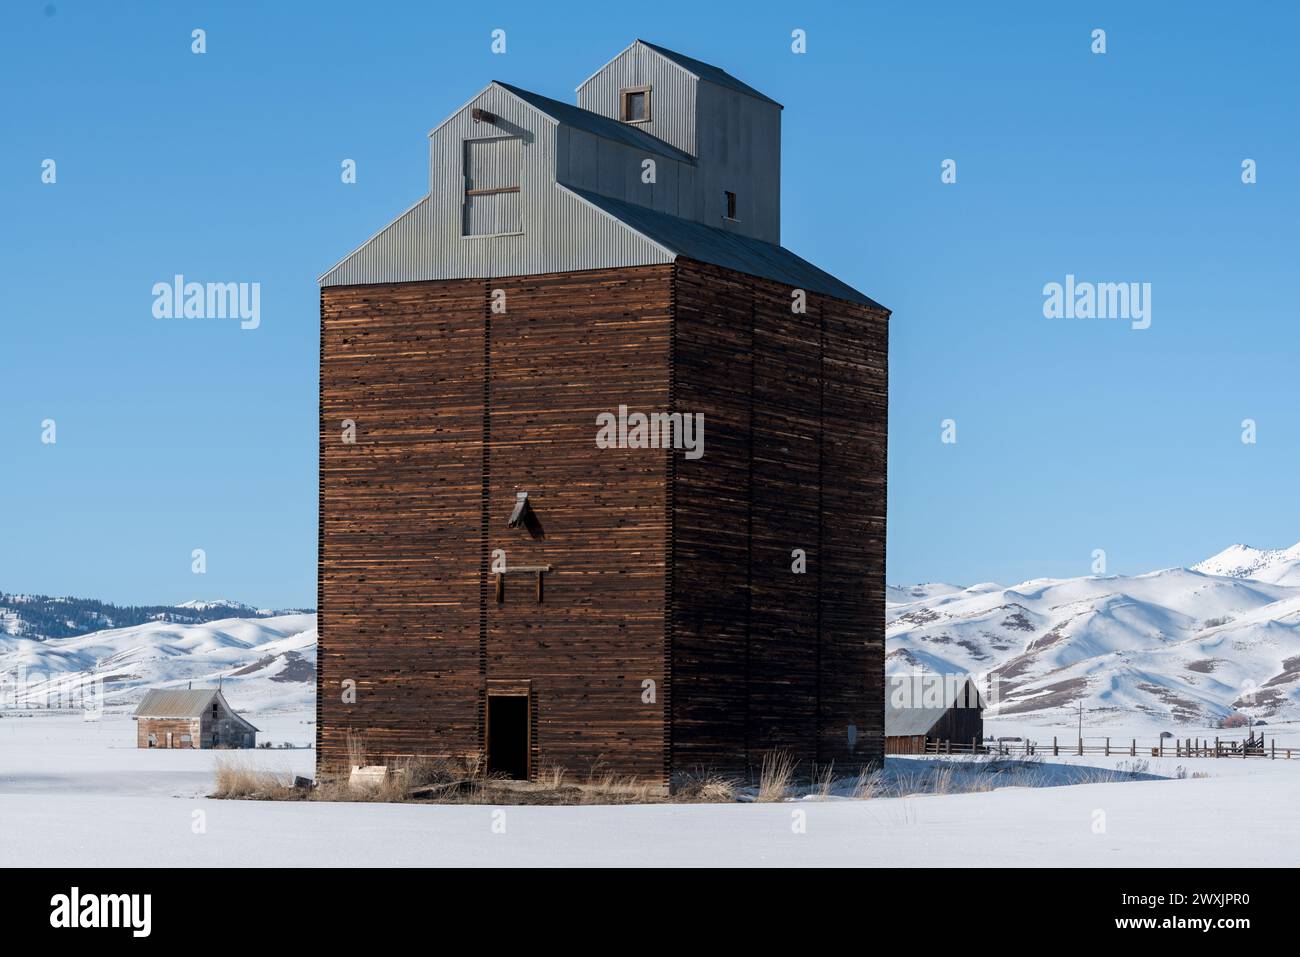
(519,517)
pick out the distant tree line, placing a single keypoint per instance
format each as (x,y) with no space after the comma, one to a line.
(42,616)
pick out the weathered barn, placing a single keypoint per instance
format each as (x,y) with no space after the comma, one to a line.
(515,560)
(193,718)
(932,708)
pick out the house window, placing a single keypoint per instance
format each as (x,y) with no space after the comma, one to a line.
(185,740)
(731,204)
(492,187)
(153,740)
(634,104)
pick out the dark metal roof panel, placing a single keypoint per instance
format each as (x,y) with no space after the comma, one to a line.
(184,703)
(903,720)
(710,244)
(597,124)
(707,71)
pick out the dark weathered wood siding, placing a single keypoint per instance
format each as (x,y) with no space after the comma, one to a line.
(905,744)
(456,409)
(400,530)
(569,347)
(796,412)
(663,569)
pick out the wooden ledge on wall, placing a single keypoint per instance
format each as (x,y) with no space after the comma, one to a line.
(538,570)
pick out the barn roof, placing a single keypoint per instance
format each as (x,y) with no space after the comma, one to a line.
(181,703)
(707,71)
(596,123)
(905,718)
(709,244)
(175,704)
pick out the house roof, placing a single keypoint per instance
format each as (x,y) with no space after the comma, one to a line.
(596,124)
(904,716)
(181,703)
(710,244)
(707,71)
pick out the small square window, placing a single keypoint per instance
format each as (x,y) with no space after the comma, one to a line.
(635,104)
(731,204)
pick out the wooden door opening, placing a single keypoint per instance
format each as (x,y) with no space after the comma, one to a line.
(508,735)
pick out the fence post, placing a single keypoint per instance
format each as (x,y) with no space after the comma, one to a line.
(1217,745)
(1162,747)
(1274,757)
(1108,747)
(1133,749)
(1056,750)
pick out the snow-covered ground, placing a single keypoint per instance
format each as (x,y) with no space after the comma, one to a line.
(77,793)
(1174,650)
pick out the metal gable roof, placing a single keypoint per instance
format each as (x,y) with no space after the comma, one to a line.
(182,703)
(707,71)
(596,124)
(903,721)
(719,247)
(176,704)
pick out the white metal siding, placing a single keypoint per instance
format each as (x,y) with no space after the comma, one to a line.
(559,231)
(735,137)
(739,150)
(672,97)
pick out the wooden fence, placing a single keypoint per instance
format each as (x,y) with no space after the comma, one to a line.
(1252,747)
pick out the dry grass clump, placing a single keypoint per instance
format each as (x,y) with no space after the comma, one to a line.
(775,776)
(701,786)
(607,788)
(823,781)
(237,779)
(868,784)
(356,745)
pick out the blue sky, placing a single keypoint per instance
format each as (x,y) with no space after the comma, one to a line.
(1072,435)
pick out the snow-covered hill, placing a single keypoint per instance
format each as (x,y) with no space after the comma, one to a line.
(263,663)
(1177,646)
(1281,566)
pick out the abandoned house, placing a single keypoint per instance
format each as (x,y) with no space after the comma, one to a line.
(602,464)
(931,711)
(193,718)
